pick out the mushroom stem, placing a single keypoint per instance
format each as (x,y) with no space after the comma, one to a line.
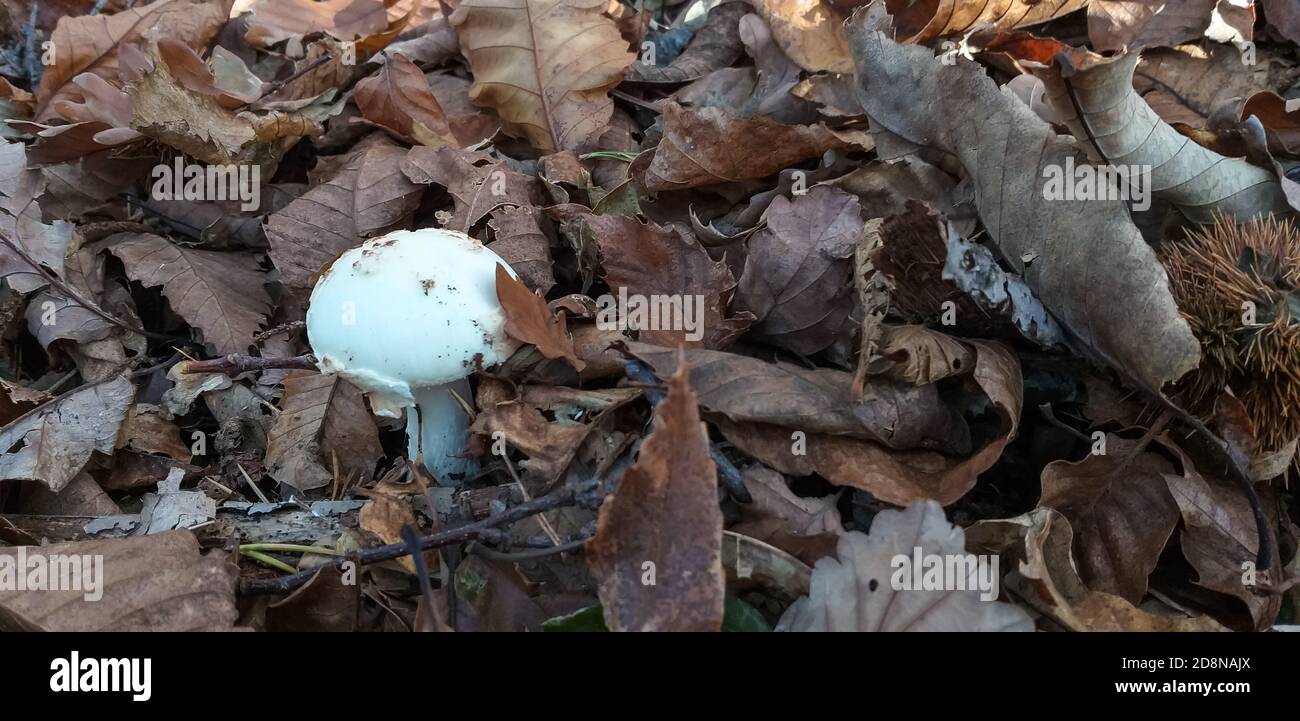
(439,428)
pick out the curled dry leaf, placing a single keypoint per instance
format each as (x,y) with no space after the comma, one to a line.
(479,185)
(749,390)
(1047,579)
(856,590)
(920,22)
(90,43)
(530,320)
(221,294)
(1096,97)
(682,292)
(323,428)
(150,583)
(52,443)
(663,520)
(545,66)
(894,476)
(1134,24)
(1218,538)
(1123,311)
(920,356)
(1121,513)
(696,149)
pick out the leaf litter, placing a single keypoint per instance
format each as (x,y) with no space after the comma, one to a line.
(829,316)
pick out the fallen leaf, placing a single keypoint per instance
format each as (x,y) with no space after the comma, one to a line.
(399,100)
(530,320)
(323,424)
(52,443)
(809,32)
(1121,514)
(798,276)
(221,294)
(696,151)
(367,195)
(856,591)
(716,45)
(522,54)
(663,520)
(149,583)
(1124,313)
(894,476)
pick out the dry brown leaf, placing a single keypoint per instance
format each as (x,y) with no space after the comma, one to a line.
(1122,515)
(367,195)
(1123,310)
(893,476)
(52,443)
(1046,579)
(698,147)
(545,66)
(1283,16)
(21,223)
(160,582)
(814,401)
(323,424)
(275,20)
(521,243)
(855,591)
(221,294)
(809,32)
(920,22)
(399,100)
(1188,84)
(806,528)
(1218,538)
(655,262)
(920,356)
(798,277)
(89,43)
(663,520)
(148,430)
(479,184)
(549,445)
(530,320)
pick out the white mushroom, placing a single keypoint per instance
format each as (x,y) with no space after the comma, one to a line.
(407,318)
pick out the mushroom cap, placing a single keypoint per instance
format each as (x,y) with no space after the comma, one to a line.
(411,309)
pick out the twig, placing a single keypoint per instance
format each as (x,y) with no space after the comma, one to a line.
(528,555)
(279,85)
(728,474)
(234,364)
(284,584)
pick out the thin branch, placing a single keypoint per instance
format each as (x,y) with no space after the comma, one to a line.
(234,364)
(284,584)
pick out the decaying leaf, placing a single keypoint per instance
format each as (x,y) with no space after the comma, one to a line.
(1125,313)
(663,520)
(221,294)
(530,320)
(545,66)
(323,427)
(52,443)
(866,589)
(149,583)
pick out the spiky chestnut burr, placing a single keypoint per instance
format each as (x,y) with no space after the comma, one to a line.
(1238,285)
